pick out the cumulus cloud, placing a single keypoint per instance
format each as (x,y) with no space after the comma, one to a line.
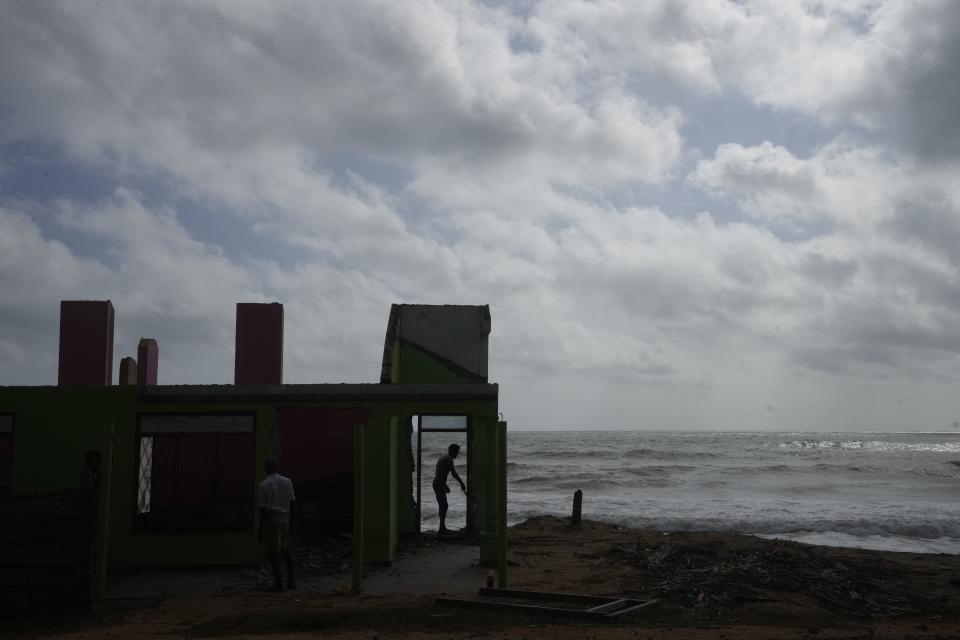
(172,90)
(881,254)
(535,156)
(890,67)
(841,184)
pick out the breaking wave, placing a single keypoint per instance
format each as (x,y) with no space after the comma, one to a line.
(872,445)
(830,488)
(931,528)
(670,455)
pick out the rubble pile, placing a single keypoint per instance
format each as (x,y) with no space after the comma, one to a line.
(705,577)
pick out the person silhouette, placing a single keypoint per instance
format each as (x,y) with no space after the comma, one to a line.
(277,502)
(440,488)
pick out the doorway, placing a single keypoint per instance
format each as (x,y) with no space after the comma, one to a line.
(315,448)
(434,434)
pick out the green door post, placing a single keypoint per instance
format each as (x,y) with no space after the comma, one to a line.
(502,505)
(103,513)
(358,509)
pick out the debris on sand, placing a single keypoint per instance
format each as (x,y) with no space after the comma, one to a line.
(703,576)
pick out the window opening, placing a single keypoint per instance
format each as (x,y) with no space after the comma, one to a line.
(195,473)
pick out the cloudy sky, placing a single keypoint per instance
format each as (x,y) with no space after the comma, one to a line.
(699,214)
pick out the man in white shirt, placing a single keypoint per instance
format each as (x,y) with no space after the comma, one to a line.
(277,503)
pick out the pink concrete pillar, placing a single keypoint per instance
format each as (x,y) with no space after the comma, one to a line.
(86,342)
(259,344)
(147,355)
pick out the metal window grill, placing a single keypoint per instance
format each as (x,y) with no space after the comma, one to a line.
(144,484)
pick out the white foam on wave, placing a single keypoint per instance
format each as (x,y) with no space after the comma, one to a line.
(873,445)
(875,542)
(884,491)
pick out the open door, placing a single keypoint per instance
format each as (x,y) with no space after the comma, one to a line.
(434,435)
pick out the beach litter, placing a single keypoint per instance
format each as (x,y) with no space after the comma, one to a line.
(702,576)
(591,607)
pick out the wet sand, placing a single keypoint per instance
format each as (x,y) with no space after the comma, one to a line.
(708,585)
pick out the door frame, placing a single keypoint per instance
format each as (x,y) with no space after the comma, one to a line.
(422,430)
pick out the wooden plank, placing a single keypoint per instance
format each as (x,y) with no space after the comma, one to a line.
(609,606)
(545,595)
(633,608)
(521,608)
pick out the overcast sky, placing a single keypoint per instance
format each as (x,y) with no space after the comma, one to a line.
(684,215)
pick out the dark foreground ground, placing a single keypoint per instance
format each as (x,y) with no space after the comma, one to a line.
(709,585)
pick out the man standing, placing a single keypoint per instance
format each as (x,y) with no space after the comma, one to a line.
(440,488)
(277,503)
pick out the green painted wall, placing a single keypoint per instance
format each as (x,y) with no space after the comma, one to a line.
(392,488)
(131,549)
(413,365)
(55,426)
(404,487)
(52,432)
(387,478)
(379,545)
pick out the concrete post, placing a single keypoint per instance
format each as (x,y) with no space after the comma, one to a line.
(379,512)
(358,508)
(502,505)
(86,343)
(487,432)
(128,372)
(258,356)
(103,515)
(147,355)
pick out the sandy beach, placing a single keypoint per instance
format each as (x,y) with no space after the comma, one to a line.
(708,585)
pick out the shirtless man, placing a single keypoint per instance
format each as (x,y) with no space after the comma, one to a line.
(445,467)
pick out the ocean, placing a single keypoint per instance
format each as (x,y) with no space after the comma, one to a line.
(889,491)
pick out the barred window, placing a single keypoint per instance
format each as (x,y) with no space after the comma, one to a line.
(196,473)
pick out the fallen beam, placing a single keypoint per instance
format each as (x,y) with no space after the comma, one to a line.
(523,594)
(604,607)
(632,608)
(521,608)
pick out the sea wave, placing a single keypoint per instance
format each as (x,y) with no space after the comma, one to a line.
(609,483)
(569,454)
(588,482)
(663,454)
(532,480)
(932,528)
(873,445)
(656,469)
